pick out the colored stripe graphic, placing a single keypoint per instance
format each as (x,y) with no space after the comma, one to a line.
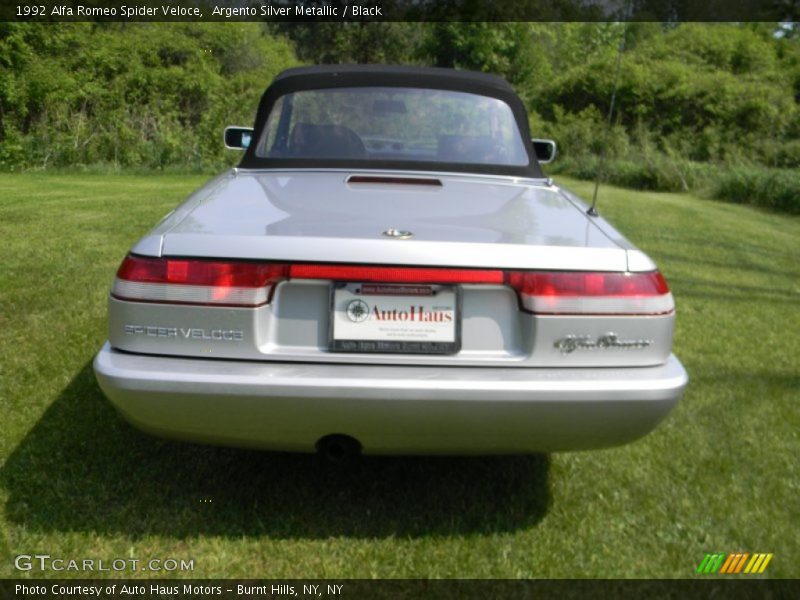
(754,562)
(710,563)
(732,558)
(732,564)
(740,564)
(704,563)
(765,563)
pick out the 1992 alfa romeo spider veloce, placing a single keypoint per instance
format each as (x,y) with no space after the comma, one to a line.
(388,270)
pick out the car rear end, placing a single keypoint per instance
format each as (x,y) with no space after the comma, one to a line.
(431,345)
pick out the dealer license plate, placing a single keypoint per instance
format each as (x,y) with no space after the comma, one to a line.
(394,318)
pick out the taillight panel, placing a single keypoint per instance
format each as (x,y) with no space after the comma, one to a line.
(593,293)
(194,281)
(250,284)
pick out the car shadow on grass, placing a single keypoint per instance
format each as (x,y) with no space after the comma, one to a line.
(82,468)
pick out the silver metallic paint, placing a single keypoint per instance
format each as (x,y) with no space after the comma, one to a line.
(389,409)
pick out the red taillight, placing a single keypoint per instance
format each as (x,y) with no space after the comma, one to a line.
(228,283)
(239,283)
(578,292)
(390,274)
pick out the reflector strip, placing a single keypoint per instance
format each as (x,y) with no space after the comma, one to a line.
(393,274)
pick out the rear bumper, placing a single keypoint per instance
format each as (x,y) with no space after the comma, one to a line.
(389,409)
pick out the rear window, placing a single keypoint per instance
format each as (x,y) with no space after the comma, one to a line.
(393,124)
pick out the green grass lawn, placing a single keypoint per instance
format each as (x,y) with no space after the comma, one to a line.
(721,474)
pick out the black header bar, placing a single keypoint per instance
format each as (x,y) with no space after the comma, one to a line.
(379,589)
(305,11)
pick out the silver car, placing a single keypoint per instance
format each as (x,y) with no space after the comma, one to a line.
(388,270)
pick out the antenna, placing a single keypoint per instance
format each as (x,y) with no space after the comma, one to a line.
(592,212)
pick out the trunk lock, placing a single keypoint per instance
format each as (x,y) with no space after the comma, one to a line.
(397,234)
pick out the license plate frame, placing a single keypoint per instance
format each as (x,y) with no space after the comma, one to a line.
(398,292)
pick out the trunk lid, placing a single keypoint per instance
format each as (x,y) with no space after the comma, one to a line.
(318,216)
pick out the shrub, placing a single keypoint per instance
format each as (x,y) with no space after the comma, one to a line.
(778,189)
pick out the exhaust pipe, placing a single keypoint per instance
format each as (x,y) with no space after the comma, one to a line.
(338,448)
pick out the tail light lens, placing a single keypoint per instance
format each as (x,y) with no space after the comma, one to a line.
(248,284)
(186,281)
(577,292)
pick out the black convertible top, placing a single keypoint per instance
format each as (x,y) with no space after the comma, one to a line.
(338,76)
(402,75)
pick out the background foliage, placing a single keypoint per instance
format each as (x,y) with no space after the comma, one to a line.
(709,107)
(129,94)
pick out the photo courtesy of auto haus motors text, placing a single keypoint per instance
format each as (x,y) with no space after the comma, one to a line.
(131,589)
